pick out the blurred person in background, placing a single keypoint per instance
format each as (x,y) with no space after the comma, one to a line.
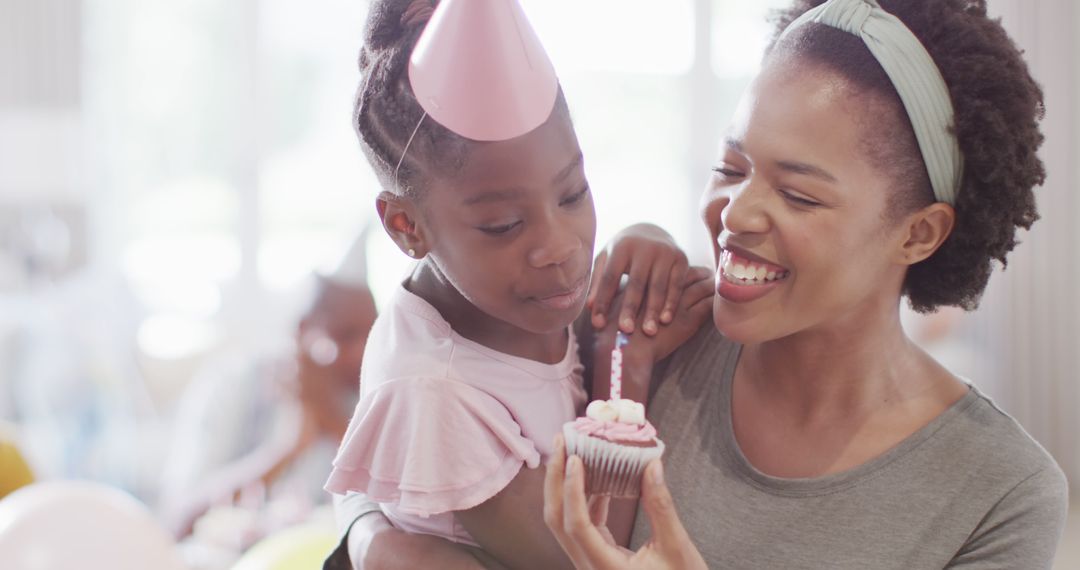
(259,436)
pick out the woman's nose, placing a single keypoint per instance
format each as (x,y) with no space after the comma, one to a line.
(744,212)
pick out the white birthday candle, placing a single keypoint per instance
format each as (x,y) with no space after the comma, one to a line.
(616,365)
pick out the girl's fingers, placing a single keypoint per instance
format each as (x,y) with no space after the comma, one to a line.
(633,295)
(594,279)
(702,287)
(676,280)
(607,286)
(659,279)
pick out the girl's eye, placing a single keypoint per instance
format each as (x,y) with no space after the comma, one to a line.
(575,198)
(726,172)
(799,200)
(499,230)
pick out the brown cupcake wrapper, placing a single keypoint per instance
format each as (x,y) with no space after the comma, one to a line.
(610,468)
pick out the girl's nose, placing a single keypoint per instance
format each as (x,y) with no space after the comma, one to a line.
(555,245)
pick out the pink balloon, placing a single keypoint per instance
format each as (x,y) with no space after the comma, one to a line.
(479,70)
(65,525)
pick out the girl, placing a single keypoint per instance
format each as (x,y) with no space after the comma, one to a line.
(886,149)
(473,367)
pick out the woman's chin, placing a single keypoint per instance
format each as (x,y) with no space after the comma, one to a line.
(736,325)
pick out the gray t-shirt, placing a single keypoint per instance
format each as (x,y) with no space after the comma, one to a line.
(970,490)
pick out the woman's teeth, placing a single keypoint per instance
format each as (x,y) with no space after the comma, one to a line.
(749,273)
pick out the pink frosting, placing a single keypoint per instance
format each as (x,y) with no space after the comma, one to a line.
(615,431)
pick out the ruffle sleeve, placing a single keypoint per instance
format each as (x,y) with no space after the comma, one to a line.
(429,446)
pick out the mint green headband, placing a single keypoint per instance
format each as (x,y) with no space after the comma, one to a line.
(915,76)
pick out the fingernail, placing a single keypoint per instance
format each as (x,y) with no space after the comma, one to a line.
(627,324)
(572,466)
(666,317)
(658,473)
(598,321)
(650,327)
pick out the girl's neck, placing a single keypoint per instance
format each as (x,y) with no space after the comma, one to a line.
(428,283)
(843,370)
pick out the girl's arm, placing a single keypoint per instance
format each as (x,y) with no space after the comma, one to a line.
(372,543)
(510,526)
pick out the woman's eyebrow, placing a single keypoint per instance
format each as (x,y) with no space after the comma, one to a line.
(806,169)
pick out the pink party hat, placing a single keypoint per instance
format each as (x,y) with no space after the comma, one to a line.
(479,70)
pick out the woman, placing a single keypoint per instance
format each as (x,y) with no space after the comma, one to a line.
(806,430)
(883,152)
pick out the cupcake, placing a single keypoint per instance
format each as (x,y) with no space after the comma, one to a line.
(615,442)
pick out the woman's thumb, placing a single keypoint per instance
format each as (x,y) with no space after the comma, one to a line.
(656,498)
(669,536)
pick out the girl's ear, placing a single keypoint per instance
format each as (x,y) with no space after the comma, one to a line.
(926,230)
(398,215)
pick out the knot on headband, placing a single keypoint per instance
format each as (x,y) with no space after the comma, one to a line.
(915,76)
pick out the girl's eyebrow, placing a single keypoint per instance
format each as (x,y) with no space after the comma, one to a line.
(508,194)
(568,169)
(493,196)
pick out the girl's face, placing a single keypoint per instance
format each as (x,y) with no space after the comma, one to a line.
(513,231)
(797,212)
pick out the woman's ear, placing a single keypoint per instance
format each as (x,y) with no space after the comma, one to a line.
(925,231)
(399,218)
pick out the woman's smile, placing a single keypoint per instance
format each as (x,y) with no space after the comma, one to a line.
(742,277)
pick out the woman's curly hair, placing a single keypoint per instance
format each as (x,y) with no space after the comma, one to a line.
(385,111)
(998,107)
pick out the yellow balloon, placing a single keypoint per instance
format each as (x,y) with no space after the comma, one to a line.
(14,471)
(303,547)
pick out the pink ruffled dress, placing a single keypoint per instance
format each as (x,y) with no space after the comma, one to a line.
(444,423)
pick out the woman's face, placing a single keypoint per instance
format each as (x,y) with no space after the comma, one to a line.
(513,231)
(797,212)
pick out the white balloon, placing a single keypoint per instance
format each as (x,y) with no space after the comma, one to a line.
(62,525)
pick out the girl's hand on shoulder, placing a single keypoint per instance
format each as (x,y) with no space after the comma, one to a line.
(642,352)
(655,266)
(578,522)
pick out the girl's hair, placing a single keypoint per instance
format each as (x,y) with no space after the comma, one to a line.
(998,108)
(385,110)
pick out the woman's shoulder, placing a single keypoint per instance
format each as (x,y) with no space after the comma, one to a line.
(1012,483)
(986,431)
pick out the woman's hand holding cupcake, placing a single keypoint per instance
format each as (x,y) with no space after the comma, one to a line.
(578,523)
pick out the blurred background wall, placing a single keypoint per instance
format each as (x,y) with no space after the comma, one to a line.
(171,173)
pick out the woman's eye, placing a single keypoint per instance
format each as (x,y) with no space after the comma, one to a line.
(799,200)
(575,198)
(499,230)
(726,172)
